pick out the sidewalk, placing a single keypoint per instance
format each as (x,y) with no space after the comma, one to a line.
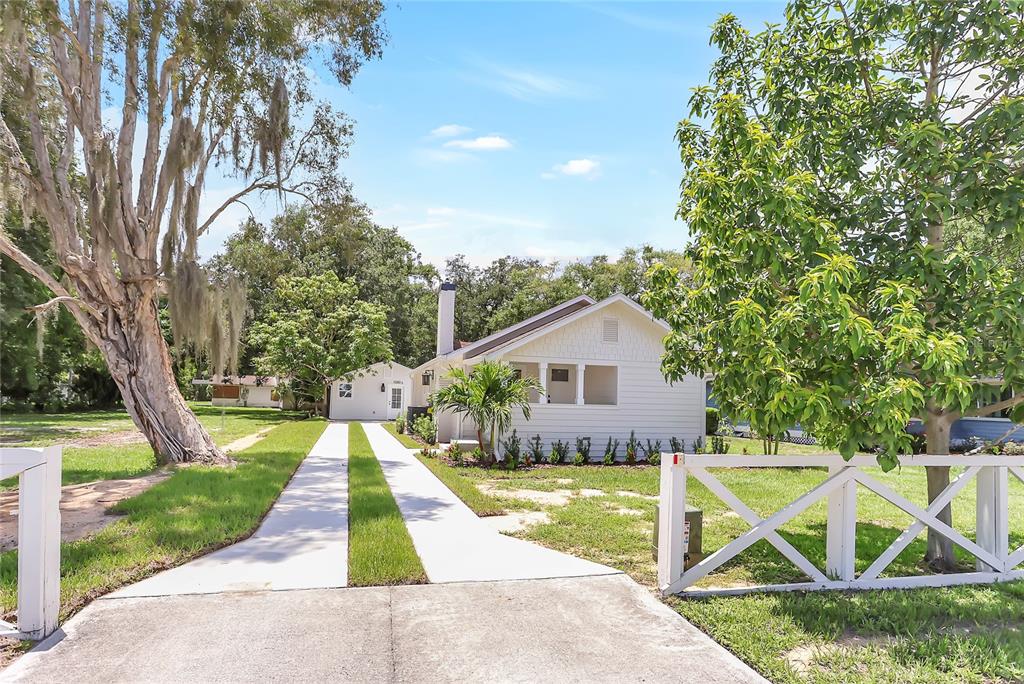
(452,542)
(302,543)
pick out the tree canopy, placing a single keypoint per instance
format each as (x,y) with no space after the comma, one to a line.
(197,86)
(315,330)
(833,165)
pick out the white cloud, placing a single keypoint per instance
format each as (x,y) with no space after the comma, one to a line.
(526,85)
(484,142)
(587,168)
(449,131)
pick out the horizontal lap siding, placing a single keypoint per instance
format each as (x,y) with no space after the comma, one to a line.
(647,404)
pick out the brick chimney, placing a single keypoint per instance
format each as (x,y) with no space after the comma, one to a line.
(446,319)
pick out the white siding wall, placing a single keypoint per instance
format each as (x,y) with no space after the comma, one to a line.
(647,404)
(368,402)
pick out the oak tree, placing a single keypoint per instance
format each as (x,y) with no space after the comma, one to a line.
(114,116)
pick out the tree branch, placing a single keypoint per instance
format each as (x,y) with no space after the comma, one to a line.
(996,407)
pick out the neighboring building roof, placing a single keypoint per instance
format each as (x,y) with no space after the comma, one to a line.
(251,380)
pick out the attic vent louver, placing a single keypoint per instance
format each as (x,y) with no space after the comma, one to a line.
(611,330)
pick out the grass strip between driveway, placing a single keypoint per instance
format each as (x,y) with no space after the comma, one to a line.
(380,550)
(195,511)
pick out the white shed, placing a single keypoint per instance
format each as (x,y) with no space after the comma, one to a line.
(379,392)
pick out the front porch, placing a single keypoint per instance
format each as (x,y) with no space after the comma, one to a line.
(580,384)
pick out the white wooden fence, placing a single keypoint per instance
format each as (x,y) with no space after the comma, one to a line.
(39,473)
(995,561)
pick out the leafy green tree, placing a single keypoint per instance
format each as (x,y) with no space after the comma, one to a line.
(195,83)
(488,394)
(340,238)
(828,164)
(315,330)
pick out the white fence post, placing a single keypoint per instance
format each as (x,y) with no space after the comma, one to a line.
(992,526)
(841,530)
(671,518)
(39,546)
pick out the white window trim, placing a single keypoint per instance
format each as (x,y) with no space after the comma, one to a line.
(341,388)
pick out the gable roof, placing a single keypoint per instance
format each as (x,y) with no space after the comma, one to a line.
(513,332)
(533,334)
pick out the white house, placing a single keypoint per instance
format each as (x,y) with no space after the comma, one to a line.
(599,364)
(245,390)
(378,392)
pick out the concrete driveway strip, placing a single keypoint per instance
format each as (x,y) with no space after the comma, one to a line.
(590,629)
(452,542)
(302,543)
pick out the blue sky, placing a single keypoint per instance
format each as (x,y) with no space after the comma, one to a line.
(531,128)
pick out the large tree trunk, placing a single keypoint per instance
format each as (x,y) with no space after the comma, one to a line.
(133,346)
(941,554)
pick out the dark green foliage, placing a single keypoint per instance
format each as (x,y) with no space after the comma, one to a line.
(609,451)
(559,452)
(632,446)
(712,418)
(512,448)
(582,451)
(535,451)
(676,445)
(651,449)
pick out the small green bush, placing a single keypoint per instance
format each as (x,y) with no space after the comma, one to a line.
(718,445)
(535,452)
(400,424)
(425,428)
(651,450)
(559,452)
(512,447)
(427,452)
(582,456)
(654,459)
(676,445)
(712,419)
(631,448)
(698,445)
(609,452)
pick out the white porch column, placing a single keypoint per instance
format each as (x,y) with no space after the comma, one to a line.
(580,372)
(543,398)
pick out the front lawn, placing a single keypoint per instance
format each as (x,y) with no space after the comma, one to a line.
(969,634)
(380,550)
(120,460)
(196,510)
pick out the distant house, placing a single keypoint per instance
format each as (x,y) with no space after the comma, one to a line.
(598,362)
(378,392)
(258,391)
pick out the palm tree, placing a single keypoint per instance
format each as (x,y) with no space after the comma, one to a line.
(488,394)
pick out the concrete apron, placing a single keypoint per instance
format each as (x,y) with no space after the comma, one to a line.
(453,544)
(301,544)
(591,629)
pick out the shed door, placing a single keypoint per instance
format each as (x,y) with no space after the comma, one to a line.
(396,400)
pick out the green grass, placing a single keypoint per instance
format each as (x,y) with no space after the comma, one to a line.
(965,634)
(405,439)
(196,510)
(380,550)
(87,464)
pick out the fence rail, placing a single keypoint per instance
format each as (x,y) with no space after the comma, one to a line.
(995,561)
(39,473)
